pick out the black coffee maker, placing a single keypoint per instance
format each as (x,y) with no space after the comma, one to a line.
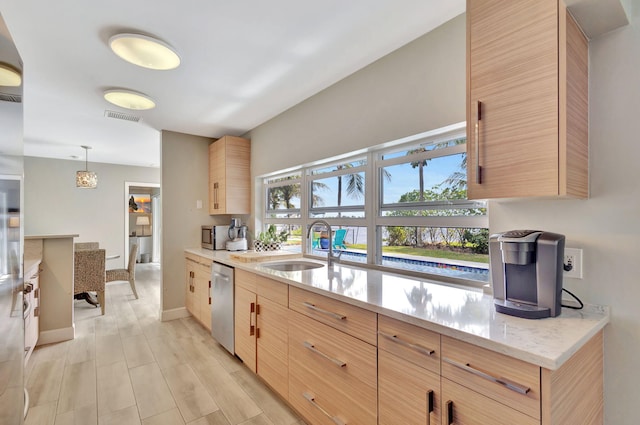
(526,273)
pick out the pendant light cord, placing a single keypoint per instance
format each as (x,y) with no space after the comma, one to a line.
(86,157)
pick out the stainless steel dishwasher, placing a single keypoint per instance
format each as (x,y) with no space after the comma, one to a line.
(222,305)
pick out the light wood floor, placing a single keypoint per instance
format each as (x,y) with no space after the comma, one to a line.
(127,367)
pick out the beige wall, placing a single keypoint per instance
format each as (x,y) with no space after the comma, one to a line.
(185,171)
(421,86)
(54,205)
(416,88)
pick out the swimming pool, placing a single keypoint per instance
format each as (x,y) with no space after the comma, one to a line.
(419,265)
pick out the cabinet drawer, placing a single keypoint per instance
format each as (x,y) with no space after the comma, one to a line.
(511,381)
(352,320)
(273,290)
(245,279)
(417,345)
(407,393)
(467,407)
(320,404)
(198,259)
(199,263)
(336,370)
(336,356)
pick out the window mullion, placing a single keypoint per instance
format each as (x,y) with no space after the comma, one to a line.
(371,208)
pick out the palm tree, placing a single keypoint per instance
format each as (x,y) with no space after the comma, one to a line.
(420,166)
(287,193)
(316,200)
(355,184)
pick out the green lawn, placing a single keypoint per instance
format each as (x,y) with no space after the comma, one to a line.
(423,252)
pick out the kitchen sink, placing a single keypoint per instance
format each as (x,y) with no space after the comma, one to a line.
(292,266)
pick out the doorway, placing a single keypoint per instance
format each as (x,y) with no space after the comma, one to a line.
(142,220)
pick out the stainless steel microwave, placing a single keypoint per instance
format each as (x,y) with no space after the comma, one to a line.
(214,237)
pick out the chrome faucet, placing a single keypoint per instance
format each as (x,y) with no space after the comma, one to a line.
(330,258)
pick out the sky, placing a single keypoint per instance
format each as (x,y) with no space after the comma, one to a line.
(404,179)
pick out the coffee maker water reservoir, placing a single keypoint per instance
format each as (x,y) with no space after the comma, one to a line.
(526,273)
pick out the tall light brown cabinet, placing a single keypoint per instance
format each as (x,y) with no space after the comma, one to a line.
(527,100)
(230,176)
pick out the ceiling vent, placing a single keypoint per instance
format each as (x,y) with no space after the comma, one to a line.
(120,116)
(6,97)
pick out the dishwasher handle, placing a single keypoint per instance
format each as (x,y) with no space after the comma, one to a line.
(220,276)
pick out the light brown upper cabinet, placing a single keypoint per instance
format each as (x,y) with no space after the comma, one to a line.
(229,176)
(527,100)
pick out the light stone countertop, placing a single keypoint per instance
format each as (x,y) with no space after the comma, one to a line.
(463,313)
(28,237)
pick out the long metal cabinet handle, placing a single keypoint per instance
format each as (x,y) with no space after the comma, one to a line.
(215,195)
(416,347)
(323,355)
(325,312)
(513,386)
(478,110)
(336,420)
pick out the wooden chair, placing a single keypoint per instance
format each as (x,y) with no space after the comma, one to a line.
(128,274)
(89,273)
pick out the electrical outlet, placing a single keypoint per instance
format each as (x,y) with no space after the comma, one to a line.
(573,263)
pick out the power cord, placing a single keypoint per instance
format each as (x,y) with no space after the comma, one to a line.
(575,298)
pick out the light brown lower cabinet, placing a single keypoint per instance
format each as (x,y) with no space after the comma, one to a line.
(245,328)
(261,338)
(408,374)
(462,406)
(332,375)
(198,286)
(272,345)
(407,393)
(512,382)
(316,352)
(480,387)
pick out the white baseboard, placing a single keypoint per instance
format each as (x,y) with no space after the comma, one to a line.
(55,335)
(174,313)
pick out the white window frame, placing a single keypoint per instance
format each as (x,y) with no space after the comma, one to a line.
(373,220)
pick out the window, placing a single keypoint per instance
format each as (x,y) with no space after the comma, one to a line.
(283,196)
(425,221)
(402,206)
(338,190)
(282,207)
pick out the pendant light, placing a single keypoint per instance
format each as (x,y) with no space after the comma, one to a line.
(86,179)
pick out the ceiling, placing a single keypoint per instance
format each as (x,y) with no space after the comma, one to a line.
(243,62)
